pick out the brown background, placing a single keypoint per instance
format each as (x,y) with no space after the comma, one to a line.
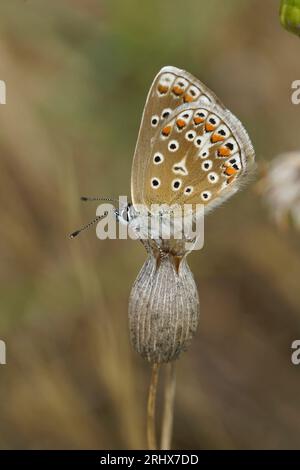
(77,75)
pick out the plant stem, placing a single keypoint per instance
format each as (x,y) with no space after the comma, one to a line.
(151,432)
(167,423)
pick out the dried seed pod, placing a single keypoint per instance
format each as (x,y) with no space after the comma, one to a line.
(163,308)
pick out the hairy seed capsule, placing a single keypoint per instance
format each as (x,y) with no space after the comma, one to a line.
(163,309)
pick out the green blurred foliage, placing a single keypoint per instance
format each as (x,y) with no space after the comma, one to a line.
(77,75)
(290,15)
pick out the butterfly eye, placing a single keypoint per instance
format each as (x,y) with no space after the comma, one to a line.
(155,183)
(188,190)
(126,214)
(190,135)
(154,121)
(206,195)
(213,177)
(206,165)
(176,184)
(173,146)
(158,158)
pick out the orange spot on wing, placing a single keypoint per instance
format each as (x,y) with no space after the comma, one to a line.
(224,152)
(198,120)
(177,90)
(163,89)
(180,123)
(188,98)
(217,138)
(230,171)
(209,127)
(166,130)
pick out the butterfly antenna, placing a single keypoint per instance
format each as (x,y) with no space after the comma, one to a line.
(96,219)
(86,198)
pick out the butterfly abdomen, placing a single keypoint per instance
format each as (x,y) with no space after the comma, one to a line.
(163,309)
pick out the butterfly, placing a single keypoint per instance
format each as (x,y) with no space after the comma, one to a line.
(190,150)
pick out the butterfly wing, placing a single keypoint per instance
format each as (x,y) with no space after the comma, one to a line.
(201,154)
(170,89)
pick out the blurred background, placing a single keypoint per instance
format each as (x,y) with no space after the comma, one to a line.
(77,75)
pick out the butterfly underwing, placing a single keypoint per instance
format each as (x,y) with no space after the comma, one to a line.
(190,148)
